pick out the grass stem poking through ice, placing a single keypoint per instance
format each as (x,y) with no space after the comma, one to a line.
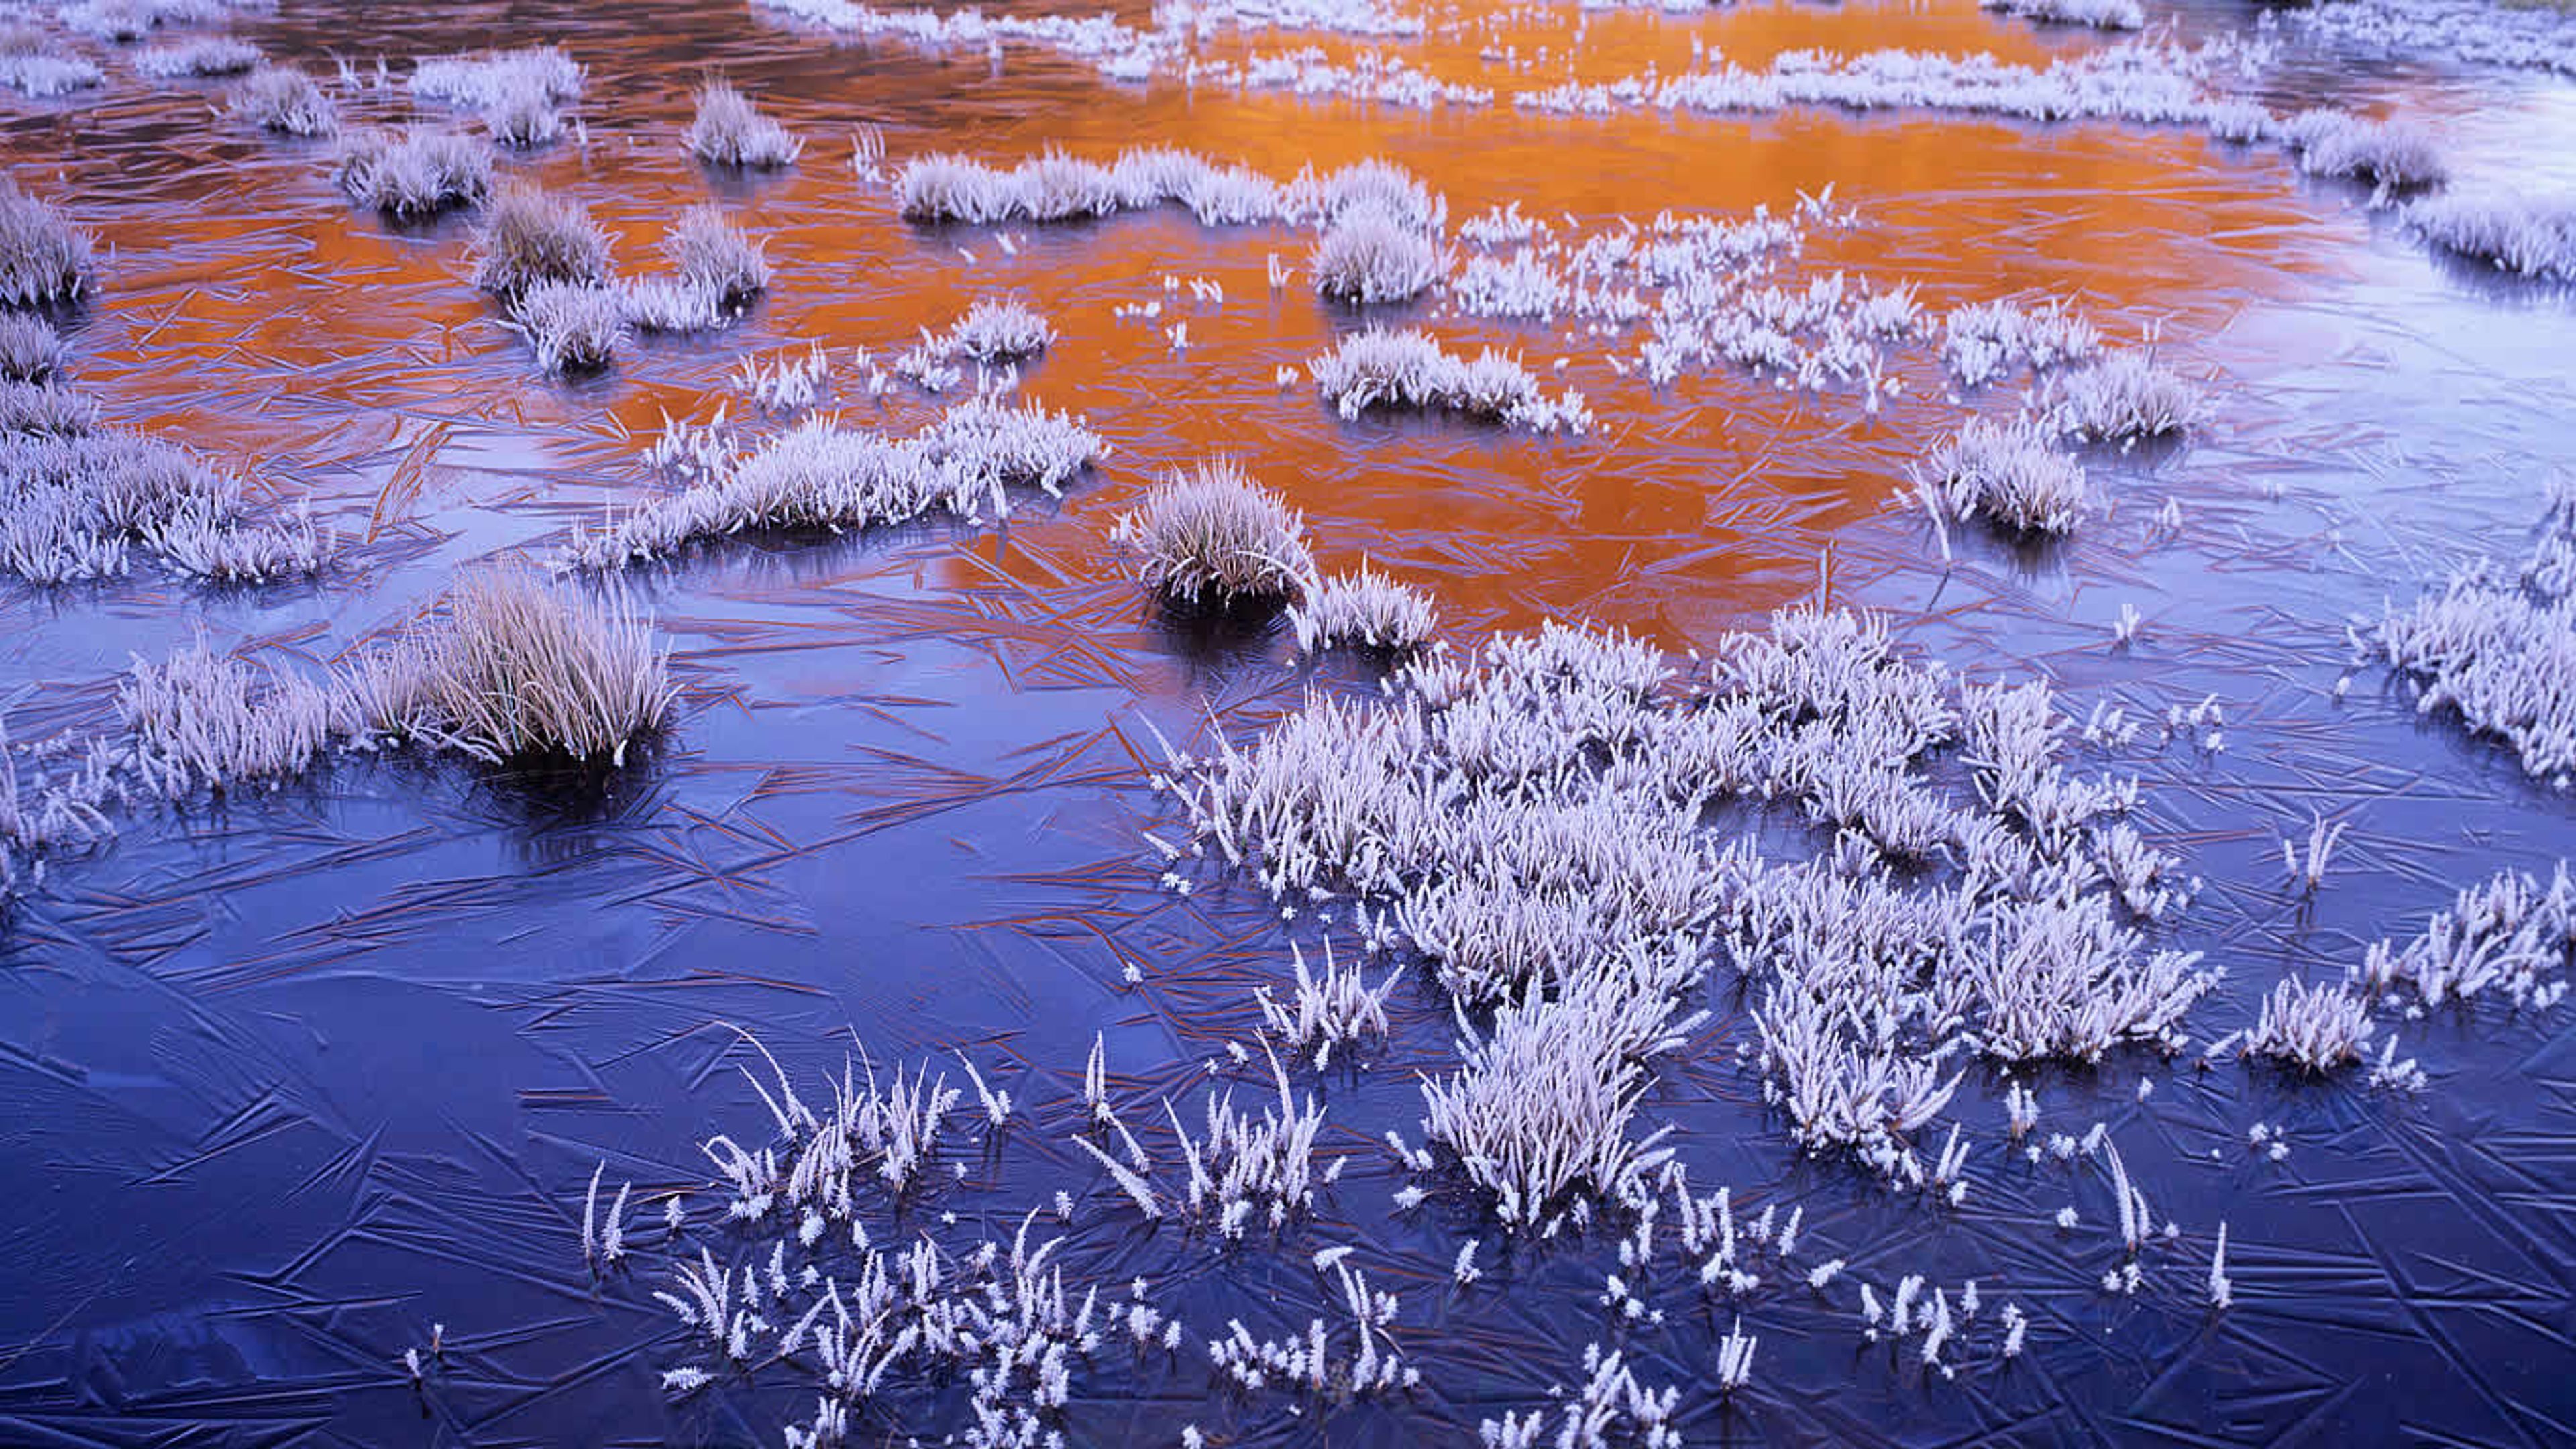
(2006,473)
(415,173)
(531,236)
(572,326)
(43,257)
(285,100)
(1363,610)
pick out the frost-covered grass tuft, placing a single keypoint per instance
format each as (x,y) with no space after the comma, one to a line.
(730,131)
(1053,187)
(2315,1029)
(820,475)
(482,82)
(2528,236)
(2498,645)
(211,55)
(74,507)
(285,100)
(2007,473)
(709,251)
(531,236)
(516,670)
(1985,341)
(1210,537)
(33,65)
(1000,330)
(2395,153)
(573,326)
(1363,610)
(2126,395)
(1372,185)
(43,257)
(941,186)
(669,304)
(523,120)
(416,173)
(1380,367)
(44,410)
(1368,255)
(30,349)
(2100,14)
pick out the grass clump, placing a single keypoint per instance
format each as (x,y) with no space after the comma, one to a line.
(33,66)
(533,236)
(1212,538)
(2525,236)
(1383,368)
(285,100)
(573,326)
(730,131)
(414,173)
(2099,14)
(711,252)
(73,507)
(2387,153)
(30,349)
(210,55)
(1000,330)
(1364,610)
(44,410)
(480,82)
(1369,255)
(2006,473)
(43,257)
(2125,396)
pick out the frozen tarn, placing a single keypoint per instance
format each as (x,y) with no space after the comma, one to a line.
(2497,645)
(1380,368)
(2481,32)
(821,475)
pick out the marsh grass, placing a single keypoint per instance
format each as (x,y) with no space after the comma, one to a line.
(72,508)
(572,326)
(30,349)
(1363,610)
(44,410)
(999,330)
(2007,473)
(1368,254)
(285,100)
(210,55)
(711,252)
(414,173)
(33,64)
(43,256)
(2391,153)
(2528,236)
(517,669)
(1209,538)
(2127,395)
(729,130)
(530,236)
(543,73)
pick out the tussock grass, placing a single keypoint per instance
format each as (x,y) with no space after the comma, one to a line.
(517,670)
(711,252)
(285,100)
(668,304)
(2527,236)
(33,65)
(730,131)
(2099,14)
(1368,254)
(1382,368)
(482,82)
(1363,610)
(1209,537)
(210,55)
(523,120)
(43,410)
(1000,330)
(414,173)
(531,236)
(573,326)
(820,475)
(73,508)
(2007,473)
(43,256)
(30,349)
(2394,153)
(2127,395)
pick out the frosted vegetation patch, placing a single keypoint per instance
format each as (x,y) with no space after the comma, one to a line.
(1211,538)
(2007,473)
(414,173)
(2528,236)
(1533,823)
(729,130)
(285,100)
(34,65)
(209,55)
(507,669)
(480,82)
(1363,610)
(1986,342)
(2127,395)
(2497,647)
(571,326)
(2099,14)
(824,476)
(43,256)
(2480,32)
(531,236)
(2390,153)
(1380,368)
